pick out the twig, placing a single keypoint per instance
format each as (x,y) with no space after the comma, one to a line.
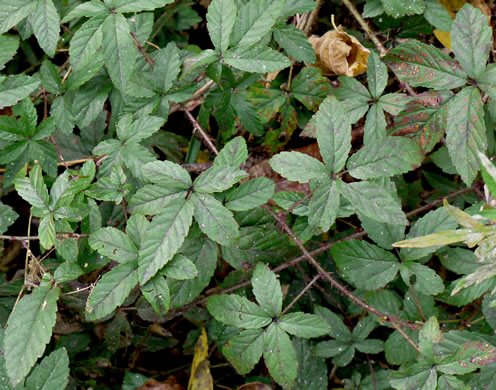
(140,48)
(31,238)
(204,135)
(300,294)
(363,24)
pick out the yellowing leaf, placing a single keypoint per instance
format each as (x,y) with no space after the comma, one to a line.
(339,53)
(201,379)
(444,37)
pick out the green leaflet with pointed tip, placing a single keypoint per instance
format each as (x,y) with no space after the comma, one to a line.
(29,330)
(152,199)
(399,8)
(52,373)
(141,5)
(89,9)
(324,205)
(294,42)
(254,20)
(233,154)
(471,40)
(366,266)
(374,201)
(310,87)
(250,194)
(427,281)
(47,232)
(333,134)
(14,11)
(220,22)
(15,88)
(257,59)
(385,157)
(238,311)
(296,166)
(45,21)
(304,325)
(218,179)
(245,350)
(119,51)
(466,132)
(8,48)
(422,65)
(33,189)
(216,221)
(488,173)
(7,217)
(267,290)
(280,356)
(86,43)
(168,174)
(180,268)
(114,244)
(377,75)
(111,290)
(156,291)
(164,237)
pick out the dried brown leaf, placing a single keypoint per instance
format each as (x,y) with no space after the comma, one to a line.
(339,53)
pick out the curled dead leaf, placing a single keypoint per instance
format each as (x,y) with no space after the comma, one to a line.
(339,53)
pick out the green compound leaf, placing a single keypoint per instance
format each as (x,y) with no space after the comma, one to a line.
(52,373)
(214,219)
(29,331)
(304,325)
(466,132)
(373,201)
(164,237)
(255,19)
(267,290)
(114,244)
(256,59)
(296,166)
(471,40)
(385,157)
(119,50)
(220,21)
(251,194)
(366,266)
(218,179)
(280,356)
(111,290)
(399,8)
(245,350)
(45,21)
(15,88)
(422,65)
(333,134)
(238,311)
